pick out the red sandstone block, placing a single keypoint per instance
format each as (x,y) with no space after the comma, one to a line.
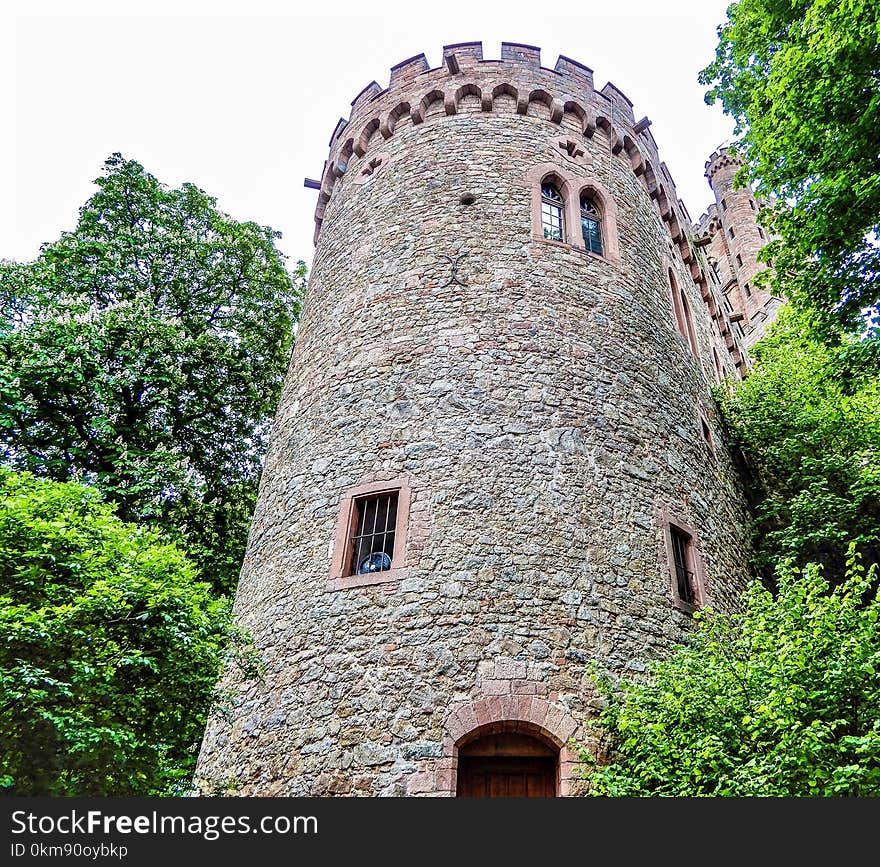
(534,709)
(468,718)
(496,687)
(507,669)
(419,782)
(524,687)
(567,728)
(445,780)
(511,707)
(483,713)
(567,754)
(456,727)
(496,707)
(554,720)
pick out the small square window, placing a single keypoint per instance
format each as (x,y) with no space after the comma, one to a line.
(731,232)
(739,260)
(371,530)
(375,522)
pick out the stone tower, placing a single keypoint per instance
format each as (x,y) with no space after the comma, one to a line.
(732,239)
(496,461)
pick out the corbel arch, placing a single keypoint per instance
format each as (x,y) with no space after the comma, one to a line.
(387,126)
(578,112)
(502,90)
(469,89)
(363,141)
(344,158)
(431,99)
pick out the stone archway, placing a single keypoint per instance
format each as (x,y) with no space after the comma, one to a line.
(528,716)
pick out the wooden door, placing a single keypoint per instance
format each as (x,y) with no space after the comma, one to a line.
(507,764)
(506,777)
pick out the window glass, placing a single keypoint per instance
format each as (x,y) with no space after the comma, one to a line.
(591,226)
(551,213)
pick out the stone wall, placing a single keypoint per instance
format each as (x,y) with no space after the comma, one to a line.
(539,402)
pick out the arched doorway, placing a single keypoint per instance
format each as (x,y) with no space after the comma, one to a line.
(498,761)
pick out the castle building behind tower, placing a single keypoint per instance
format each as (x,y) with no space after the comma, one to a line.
(496,462)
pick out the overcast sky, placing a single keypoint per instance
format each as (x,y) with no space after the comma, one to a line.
(241,98)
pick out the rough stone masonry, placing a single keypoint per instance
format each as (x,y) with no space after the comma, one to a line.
(542,413)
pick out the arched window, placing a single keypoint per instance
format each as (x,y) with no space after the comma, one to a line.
(552,207)
(560,199)
(591,225)
(682,314)
(688,323)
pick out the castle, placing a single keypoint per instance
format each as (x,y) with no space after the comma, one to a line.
(496,461)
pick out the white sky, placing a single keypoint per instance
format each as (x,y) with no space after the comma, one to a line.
(241,97)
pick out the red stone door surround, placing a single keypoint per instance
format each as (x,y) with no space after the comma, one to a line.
(548,721)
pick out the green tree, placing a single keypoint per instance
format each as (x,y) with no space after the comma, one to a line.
(109,647)
(144,352)
(780,699)
(807,420)
(802,80)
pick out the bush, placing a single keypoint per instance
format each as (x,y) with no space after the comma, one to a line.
(109,647)
(780,699)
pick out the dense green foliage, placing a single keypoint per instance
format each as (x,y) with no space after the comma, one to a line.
(781,699)
(802,80)
(109,647)
(807,419)
(143,353)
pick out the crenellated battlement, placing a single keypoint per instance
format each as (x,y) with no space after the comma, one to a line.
(722,159)
(519,67)
(518,62)
(517,82)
